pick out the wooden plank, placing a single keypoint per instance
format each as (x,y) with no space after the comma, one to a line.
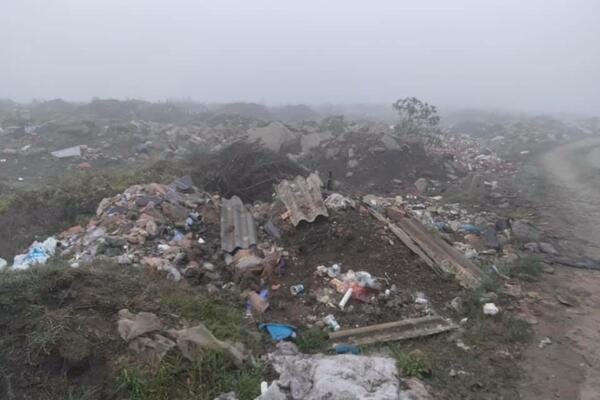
(408,242)
(397,330)
(387,325)
(396,336)
(437,254)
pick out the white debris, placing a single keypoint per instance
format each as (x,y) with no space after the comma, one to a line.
(348,377)
(490,309)
(74,151)
(38,253)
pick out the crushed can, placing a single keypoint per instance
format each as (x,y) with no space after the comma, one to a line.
(297,289)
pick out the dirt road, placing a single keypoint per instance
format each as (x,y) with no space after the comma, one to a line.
(569,204)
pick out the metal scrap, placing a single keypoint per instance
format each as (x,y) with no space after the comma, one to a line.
(237,225)
(302,198)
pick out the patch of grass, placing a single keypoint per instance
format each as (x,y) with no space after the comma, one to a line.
(81,393)
(225,321)
(411,363)
(527,268)
(311,340)
(471,303)
(516,330)
(45,335)
(131,380)
(503,328)
(177,378)
(6,201)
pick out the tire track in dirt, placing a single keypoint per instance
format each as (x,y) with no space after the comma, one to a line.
(569,368)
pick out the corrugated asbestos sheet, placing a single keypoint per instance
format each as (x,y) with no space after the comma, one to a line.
(237,225)
(74,151)
(303,198)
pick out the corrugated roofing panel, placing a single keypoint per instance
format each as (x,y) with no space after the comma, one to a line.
(237,225)
(74,151)
(303,198)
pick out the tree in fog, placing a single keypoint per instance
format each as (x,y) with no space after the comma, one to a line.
(418,119)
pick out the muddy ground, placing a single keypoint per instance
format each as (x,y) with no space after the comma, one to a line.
(562,190)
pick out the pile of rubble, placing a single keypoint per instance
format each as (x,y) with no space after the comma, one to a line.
(182,231)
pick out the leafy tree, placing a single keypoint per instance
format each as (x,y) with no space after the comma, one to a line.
(417,119)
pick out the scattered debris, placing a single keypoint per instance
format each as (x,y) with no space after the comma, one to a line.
(545,342)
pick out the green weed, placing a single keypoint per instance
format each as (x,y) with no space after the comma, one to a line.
(411,363)
(311,340)
(177,378)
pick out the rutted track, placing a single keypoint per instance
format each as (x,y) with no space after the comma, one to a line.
(569,204)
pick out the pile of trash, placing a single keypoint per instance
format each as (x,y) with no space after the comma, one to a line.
(466,154)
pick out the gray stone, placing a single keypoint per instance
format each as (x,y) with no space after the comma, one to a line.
(532,246)
(390,142)
(421,185)
(491,238)
(272,136)
(547,269)
(524,230)
(548,248)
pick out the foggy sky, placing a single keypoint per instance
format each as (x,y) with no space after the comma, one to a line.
(541,55)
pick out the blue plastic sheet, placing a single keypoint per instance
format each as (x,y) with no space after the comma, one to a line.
(279,331)
(345,348)
(469,228)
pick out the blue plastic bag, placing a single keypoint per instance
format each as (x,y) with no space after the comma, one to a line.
(279,331)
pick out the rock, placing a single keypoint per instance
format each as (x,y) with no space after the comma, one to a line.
(390,142)
(273,392)
(421,184)
(491,239)
(547,269)
(532,246)
(416,390)
(490,309)
(545,342)
(348,377)
(548,248)
(457,305)
(524,230)
(475,241)
(352,163)
(272,136)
